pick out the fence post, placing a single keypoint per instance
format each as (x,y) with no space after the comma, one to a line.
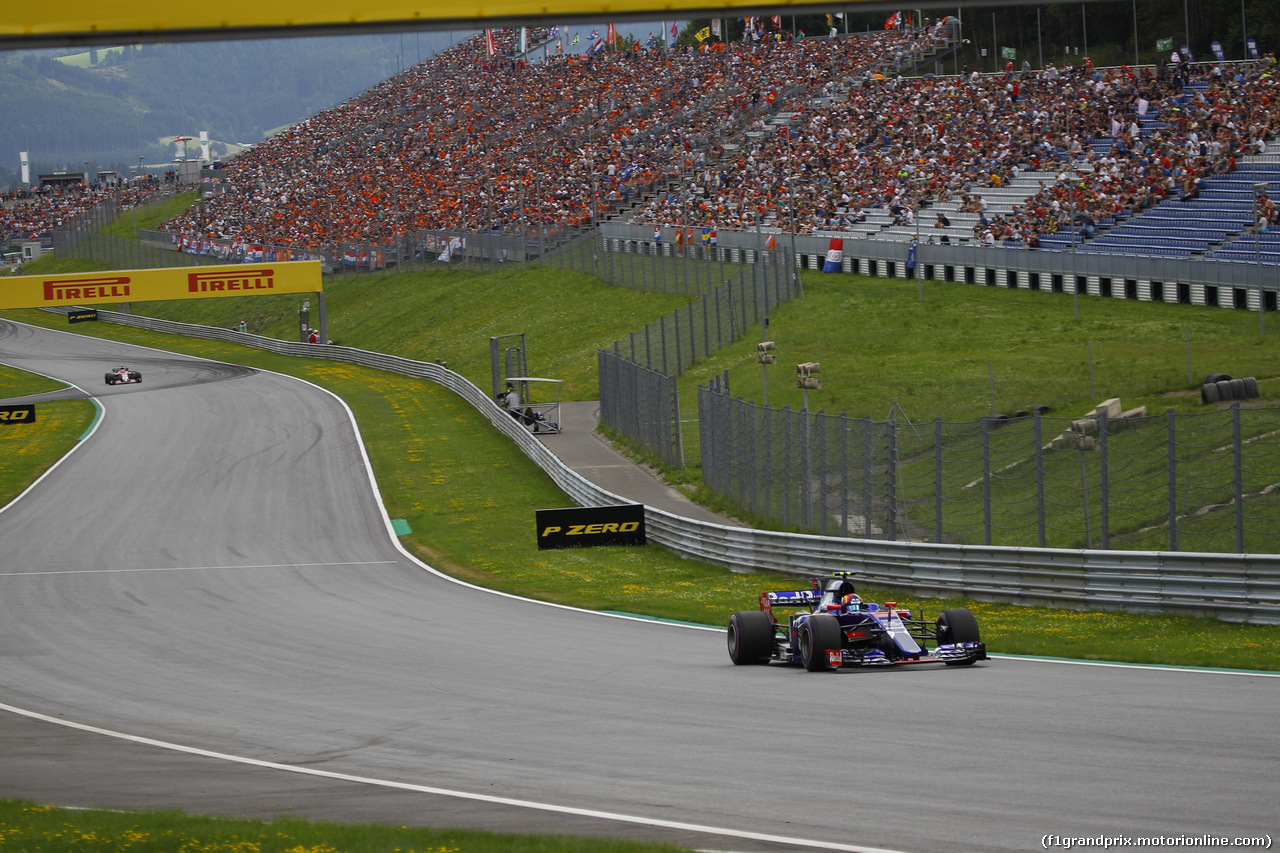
(1037,432)
(937,480)
(1172,462)
(1104,485)
(820,427)
(986,481)
(786,464)
(675,321)
(706,328)
(866,475)
(1237,471)
(892,477)
(844,472)
(766,490)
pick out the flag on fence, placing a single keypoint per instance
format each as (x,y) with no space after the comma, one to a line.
(771,242)
(679,238)
(657,234)
(911,257)
(835,256)
(893,21)
(706,236)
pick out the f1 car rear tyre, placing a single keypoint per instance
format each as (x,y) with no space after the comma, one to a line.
(819,635)
(957,626)
(750,637)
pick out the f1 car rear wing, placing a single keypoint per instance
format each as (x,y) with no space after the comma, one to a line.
(806,598)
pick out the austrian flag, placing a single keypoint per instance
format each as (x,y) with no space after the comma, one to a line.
(835,256)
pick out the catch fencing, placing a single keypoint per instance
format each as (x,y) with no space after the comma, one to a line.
(1181,482)
(638,374)
(1233,587)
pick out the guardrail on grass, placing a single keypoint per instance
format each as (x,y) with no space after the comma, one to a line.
(1233,587)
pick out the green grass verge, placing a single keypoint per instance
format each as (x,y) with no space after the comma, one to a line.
(149,216)
(25,826)
(27,450)
(438,463)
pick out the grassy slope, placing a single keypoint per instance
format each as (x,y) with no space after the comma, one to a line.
(450,315)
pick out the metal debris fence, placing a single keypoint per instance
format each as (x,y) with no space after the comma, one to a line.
(1176,482)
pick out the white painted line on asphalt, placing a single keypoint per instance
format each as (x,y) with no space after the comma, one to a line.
(1201,670)
(460,795)
(195,568)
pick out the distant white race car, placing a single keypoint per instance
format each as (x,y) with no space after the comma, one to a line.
(123,376)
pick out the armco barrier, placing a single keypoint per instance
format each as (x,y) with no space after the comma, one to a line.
(1233,587)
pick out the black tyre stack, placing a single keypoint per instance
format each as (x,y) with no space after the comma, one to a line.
(1221,388)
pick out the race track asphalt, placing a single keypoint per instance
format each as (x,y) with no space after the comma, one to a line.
(210,575)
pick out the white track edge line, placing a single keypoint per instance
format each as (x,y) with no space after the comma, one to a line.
(445,792)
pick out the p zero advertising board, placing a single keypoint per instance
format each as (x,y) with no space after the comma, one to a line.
(11,415)
(97,288)
(579,527)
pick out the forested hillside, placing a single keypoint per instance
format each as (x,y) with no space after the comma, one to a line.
(124,101)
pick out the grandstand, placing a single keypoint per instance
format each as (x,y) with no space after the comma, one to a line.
(813,136)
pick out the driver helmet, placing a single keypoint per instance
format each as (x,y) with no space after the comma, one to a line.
(852,601)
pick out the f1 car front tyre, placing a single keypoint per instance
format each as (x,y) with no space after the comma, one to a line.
(958,626)
(111,380)
(819,635)
(750,637)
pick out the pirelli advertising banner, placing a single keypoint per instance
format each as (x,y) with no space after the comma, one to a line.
(96,288)
(597,525)
(28,25)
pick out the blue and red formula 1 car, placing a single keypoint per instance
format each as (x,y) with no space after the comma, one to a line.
(836,628)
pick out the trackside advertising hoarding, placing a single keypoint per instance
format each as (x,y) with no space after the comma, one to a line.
(97,288)
(12,415)
(583,526)
(27,25)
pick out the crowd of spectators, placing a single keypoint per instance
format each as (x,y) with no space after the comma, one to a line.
(793,132)
(517,144)
(36,212)
(900,145)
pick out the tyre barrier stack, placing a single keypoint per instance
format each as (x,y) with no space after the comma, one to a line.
(1221,388)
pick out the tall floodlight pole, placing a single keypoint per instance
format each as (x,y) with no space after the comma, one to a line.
(1259,193)
(919,276)
(1073,183)
(1135,34)
(792,275)
(135,198)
